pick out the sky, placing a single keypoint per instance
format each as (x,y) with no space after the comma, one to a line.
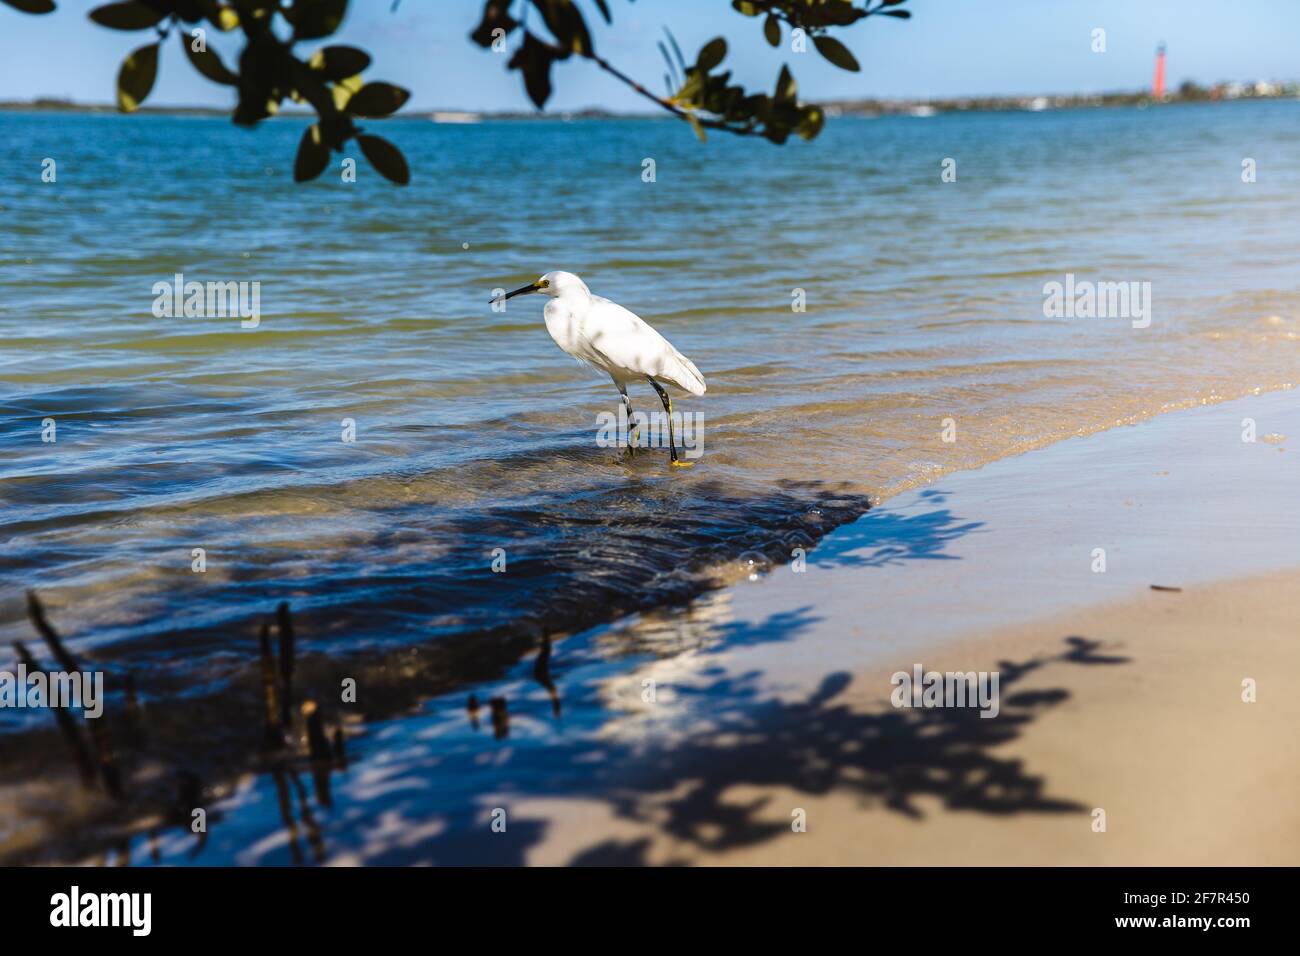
(948,48)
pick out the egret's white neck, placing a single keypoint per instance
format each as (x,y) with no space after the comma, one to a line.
(575,294)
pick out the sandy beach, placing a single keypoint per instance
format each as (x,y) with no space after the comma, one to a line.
(1133,703)
(1133,708)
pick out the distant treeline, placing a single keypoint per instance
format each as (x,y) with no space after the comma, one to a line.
(1186,93)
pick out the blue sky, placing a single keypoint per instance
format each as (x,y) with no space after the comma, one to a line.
(949,47)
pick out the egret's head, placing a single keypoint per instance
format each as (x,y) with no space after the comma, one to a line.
(552,284)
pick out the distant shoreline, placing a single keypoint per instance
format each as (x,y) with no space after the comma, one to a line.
(1224,92)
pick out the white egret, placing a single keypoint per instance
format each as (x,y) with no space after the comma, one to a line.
(608,337)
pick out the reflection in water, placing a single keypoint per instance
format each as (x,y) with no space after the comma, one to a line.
(656,729)
(500,718)
(131,779)
(542,673)
(208,723)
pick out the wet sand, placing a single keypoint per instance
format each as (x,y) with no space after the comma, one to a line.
(1114,696)
(1134,708)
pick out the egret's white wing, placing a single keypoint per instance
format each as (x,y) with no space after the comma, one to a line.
(632,347)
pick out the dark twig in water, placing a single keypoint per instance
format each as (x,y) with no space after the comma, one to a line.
(316,739)
(340,754)
(322,757)
(108,768)
(67,726)
(500,718)
(98,729)
(55,643)
(284,624)
(1164,587)
(308,818)
(542,673)
(274,729)
(286,812)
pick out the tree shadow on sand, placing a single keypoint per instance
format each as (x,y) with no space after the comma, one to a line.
(683,789)
(890,759)
(887,536)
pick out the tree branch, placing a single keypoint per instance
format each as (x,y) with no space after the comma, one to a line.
(663,102)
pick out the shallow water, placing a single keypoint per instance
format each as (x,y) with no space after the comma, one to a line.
(681,732)
(924,302)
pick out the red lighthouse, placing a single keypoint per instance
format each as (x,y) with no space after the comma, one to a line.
(1158,84)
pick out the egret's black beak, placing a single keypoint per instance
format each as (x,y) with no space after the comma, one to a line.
(531,287)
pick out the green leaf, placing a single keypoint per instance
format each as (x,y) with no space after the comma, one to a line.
(377,99)
(339,62)
(386,158)
(695,125)
(604,10)
(785,86)
(313,155)
(772,30)
(745,7)
(31,6)
(812,122)
(711,54)
(534,60)
(836,52)
(342,91)
(207,62)
(129,15)
(496,16)
(901,14)
(314,19)
(566,24)
(135,78)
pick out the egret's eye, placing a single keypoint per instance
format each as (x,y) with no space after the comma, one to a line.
(544,284)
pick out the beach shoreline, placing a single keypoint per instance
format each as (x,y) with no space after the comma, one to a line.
(773,693)
(1155,697)
(1128,716)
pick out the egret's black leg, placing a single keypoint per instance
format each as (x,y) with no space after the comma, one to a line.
(631,429)
(672,439)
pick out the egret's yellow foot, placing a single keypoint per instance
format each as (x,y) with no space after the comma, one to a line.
(683,464)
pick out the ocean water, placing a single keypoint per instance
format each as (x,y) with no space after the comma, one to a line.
(923,313)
